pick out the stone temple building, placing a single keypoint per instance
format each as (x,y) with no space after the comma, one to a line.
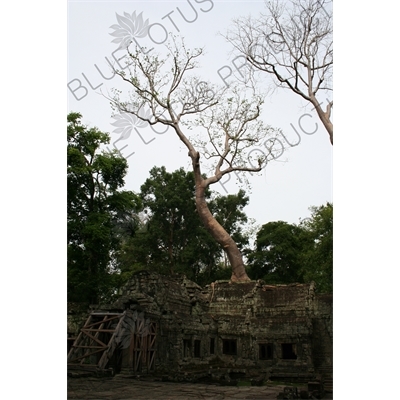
(171,327)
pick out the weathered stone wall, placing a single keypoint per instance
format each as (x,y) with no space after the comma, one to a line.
(322,338)
(281,330)
(257,314)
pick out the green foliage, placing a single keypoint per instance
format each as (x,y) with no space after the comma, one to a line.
(289,253)
(171,237)
(278,254)
(228,211)
(95,205)
(113,233)
(318,260)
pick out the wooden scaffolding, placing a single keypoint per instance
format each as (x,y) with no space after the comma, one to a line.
(106,335)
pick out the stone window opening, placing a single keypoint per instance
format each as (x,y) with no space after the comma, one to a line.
(229,347)
(196,349)
(289,351)
(265,351)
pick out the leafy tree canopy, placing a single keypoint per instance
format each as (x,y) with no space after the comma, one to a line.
(113,232)
(95,204)
(172,238)
(289,253)
(278,254)
(318,260)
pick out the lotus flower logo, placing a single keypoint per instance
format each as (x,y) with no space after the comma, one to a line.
(129,27)
(126,121)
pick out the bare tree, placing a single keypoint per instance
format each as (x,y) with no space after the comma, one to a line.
(293,42)
(219,124)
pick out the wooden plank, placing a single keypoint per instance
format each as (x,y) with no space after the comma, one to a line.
(72,350)
(152,340)
(144,350)
(89,336)
(140,324)
(152,351)
(102,321)
(86,355)
(141,348)
(94,338)
(111,344)
(82,338)
(151,359)
(137,353)
(131,350)
(100,327)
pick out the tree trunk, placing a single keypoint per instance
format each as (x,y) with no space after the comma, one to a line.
(216,229)
(324,116)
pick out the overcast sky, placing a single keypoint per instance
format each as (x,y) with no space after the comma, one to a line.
(300,178)
(33,197)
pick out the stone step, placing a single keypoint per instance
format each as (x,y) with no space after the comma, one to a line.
(328,385)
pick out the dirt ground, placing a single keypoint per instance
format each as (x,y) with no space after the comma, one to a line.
(124,388)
